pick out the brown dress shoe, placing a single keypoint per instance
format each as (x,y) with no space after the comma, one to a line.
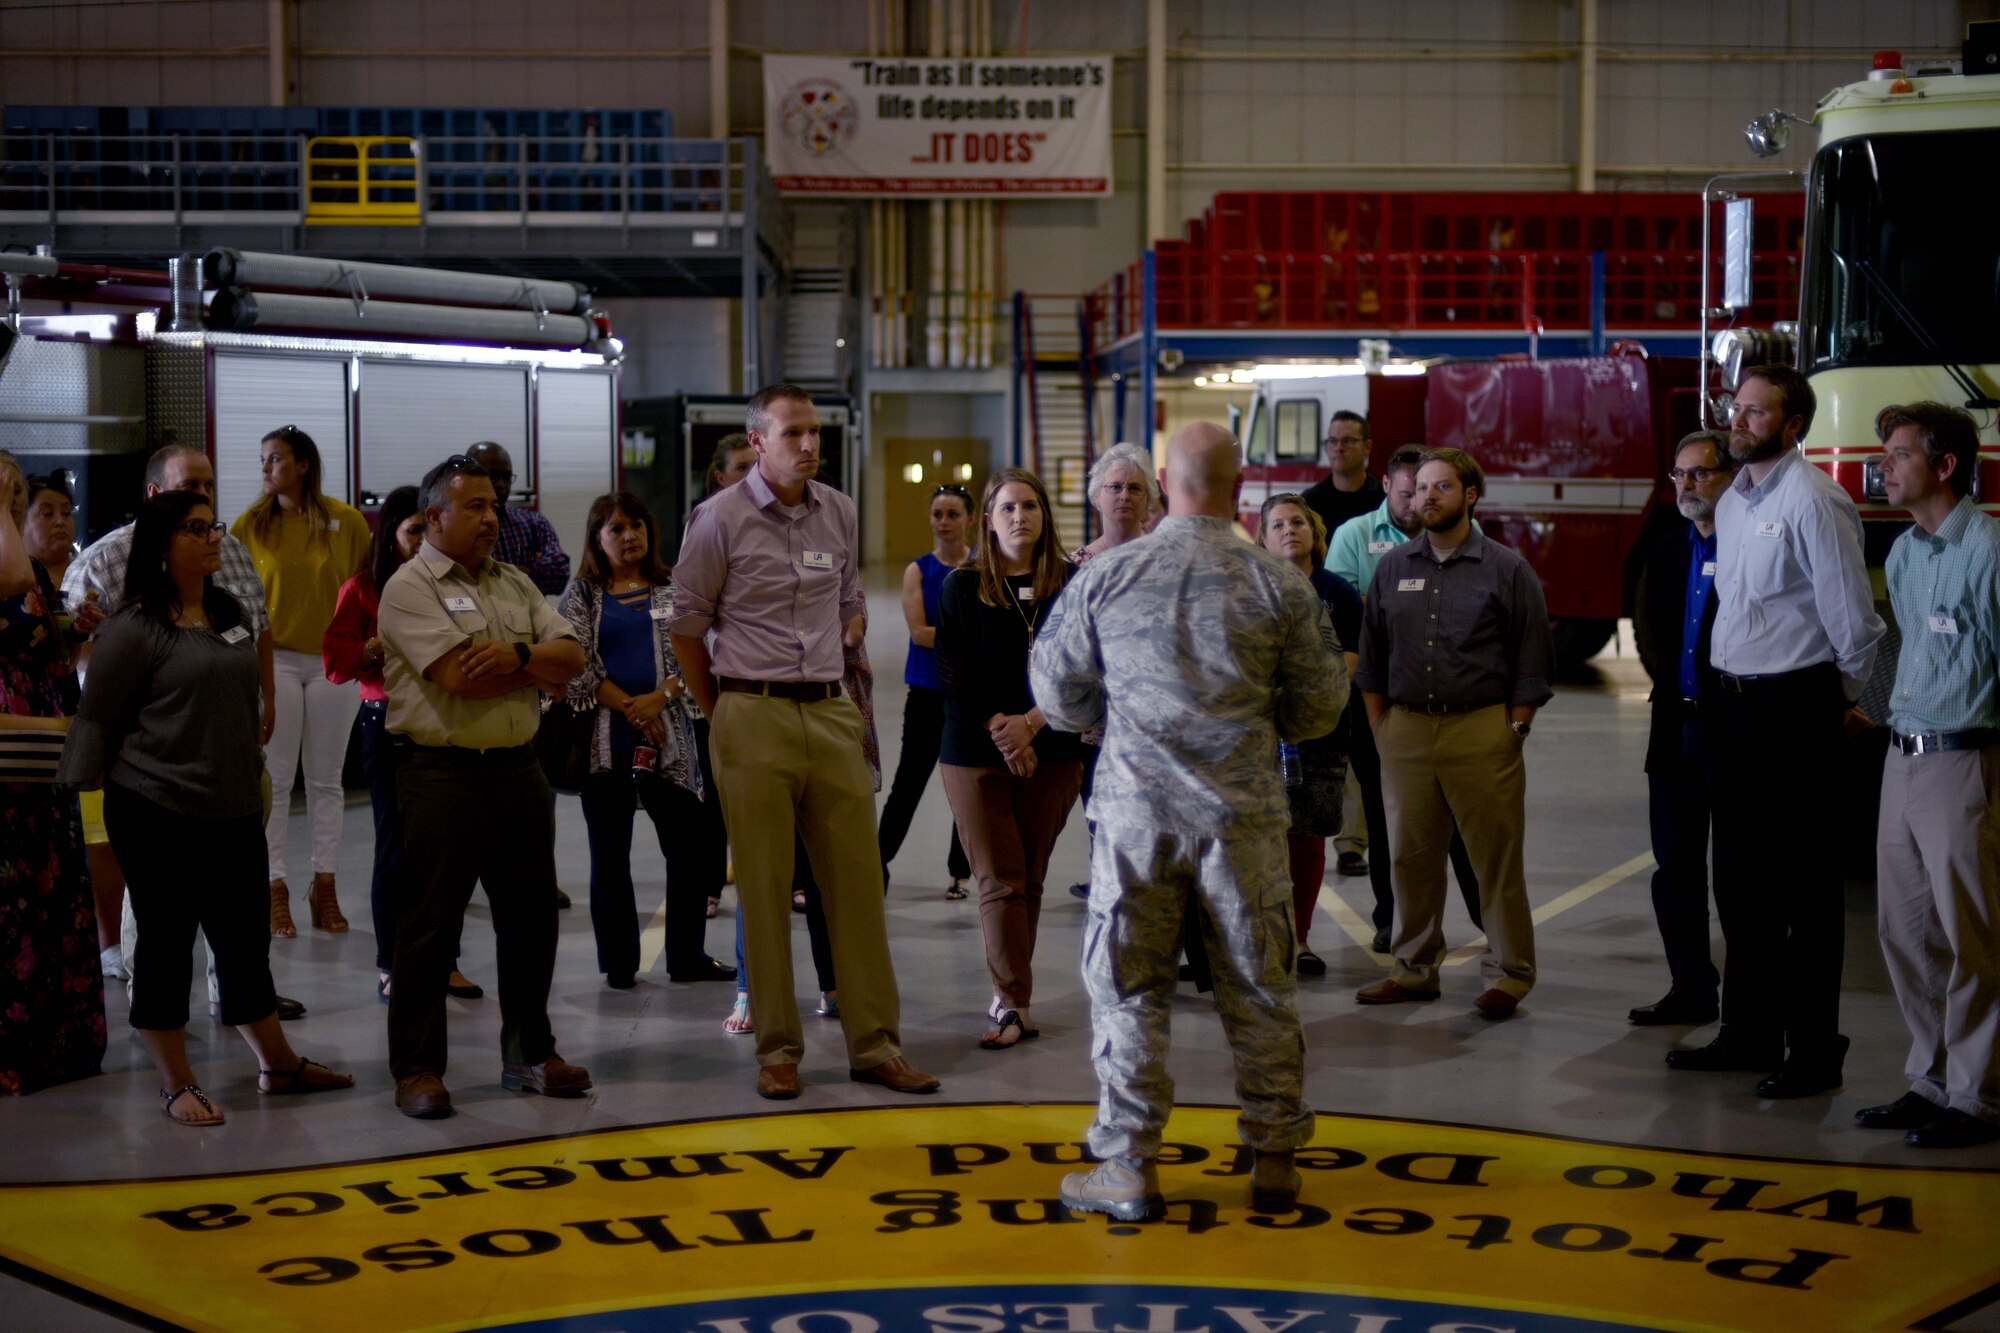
(780,1083)
(897,1075)
(553,1077)
(1496,1003)
(423,1096)
(1391,992)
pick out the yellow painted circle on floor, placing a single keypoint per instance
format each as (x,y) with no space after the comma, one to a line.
(944,1219)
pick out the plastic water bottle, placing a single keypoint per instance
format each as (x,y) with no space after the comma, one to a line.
(1290,764)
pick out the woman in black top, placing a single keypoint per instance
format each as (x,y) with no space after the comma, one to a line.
(1011,782)
(168,726)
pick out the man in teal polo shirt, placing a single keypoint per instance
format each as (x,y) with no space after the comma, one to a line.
(1937,858)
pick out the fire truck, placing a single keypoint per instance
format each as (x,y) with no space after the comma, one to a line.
(389,368)
(1575,451)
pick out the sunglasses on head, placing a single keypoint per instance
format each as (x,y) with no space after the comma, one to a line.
(952,488)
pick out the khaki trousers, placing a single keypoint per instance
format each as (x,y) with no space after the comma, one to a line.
(1463,766)
(780,767)
(1009,825)
(1937,890)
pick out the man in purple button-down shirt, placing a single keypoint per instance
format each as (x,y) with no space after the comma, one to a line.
(771,567)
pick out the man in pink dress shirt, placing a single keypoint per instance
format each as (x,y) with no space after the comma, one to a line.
(772,567)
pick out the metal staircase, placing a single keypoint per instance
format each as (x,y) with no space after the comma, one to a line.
(1056,415)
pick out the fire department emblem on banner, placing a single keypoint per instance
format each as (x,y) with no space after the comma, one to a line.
(820,116)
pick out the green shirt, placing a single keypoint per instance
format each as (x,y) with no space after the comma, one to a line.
(1945,591)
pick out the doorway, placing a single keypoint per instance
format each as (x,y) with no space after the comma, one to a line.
(916,468)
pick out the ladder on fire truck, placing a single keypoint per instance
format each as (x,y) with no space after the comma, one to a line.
(1055,406)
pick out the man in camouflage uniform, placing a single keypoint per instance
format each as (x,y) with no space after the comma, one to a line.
(1197,652)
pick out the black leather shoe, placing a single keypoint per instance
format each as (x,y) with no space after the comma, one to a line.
(562,900)
(1673,1010)
(1730,1053)
(1909,1111)
(1380,944)
(708,969)
(289,1010)
(1351,863)
(1806,1072)
(1953,1129)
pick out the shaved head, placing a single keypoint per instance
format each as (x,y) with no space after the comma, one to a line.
(1204,470)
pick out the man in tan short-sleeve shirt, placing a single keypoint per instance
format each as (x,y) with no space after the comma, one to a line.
(470,644)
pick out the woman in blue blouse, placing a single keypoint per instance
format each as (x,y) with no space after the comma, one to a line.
(923,709)
(642,751)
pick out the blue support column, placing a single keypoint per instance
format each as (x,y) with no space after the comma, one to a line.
(1149,350)
(1597,303)
(1117,408)
(1020,346)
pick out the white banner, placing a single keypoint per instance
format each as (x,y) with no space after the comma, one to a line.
(988,128)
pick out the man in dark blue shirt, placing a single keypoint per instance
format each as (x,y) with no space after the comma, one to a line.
(1673,632)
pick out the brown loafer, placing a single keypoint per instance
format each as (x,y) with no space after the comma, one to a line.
(423,1096)
(780,1083)
(553,1077)
(897,1075)
(1390,992)
(1496,1003)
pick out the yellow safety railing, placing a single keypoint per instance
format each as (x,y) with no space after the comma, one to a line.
(362,181)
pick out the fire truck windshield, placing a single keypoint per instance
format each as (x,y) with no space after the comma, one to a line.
(1902,266)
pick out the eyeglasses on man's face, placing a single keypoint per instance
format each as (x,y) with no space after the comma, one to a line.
(1700,476)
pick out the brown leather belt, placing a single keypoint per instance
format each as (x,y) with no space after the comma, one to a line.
(799,691)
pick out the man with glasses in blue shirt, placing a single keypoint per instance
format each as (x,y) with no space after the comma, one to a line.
(1674,630)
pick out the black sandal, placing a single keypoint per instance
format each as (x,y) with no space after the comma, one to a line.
(1311,964)
(1009,1018)
(167,1100)
(296,1079)
(955,892)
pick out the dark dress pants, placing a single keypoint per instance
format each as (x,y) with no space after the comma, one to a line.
(1778,890)
(923,734)
(1364,766)
(610,800)
(472,818)
(378,766)
(1678,804)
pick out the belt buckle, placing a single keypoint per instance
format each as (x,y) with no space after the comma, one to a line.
(1730,683)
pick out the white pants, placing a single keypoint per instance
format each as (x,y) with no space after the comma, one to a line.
(314,716)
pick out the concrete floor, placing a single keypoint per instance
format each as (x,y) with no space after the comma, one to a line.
(1568,1065)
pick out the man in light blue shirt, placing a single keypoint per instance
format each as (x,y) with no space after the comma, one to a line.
(1937,856)
(1795,632)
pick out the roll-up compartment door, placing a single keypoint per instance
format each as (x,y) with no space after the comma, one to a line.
(255,394)
(579,441)
(416,414)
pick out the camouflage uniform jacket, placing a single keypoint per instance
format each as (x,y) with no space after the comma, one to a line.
(1197,651)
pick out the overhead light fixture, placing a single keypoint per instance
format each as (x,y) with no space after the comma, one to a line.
(1405,368)
(914,474)
(1300,370)
(1200,380)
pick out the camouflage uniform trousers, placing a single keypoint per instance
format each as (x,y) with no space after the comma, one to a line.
(1139,884)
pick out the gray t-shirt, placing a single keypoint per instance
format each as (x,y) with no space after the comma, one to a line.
(171,714)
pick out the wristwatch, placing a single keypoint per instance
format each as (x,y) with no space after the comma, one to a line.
(1521,729)
(521,651)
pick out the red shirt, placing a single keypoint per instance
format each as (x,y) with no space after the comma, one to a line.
(353,626)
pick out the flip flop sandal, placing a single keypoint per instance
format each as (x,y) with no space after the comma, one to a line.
(955,892)
(739,1023)
(1010,1019)
(798,900)
(1311,964)
(293,1081)
(167,1100)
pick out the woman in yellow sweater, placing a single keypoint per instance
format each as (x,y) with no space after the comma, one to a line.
(305,544)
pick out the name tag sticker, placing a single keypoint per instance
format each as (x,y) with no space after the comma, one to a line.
(333,525)
(1773,529)
(1024,594)
(1409,585)
(662,613)
(1380,548)
(1708,569)
(460,604)
(1944,624)
(816,559)
(237,634)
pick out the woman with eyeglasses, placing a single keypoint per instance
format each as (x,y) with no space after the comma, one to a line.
(51,992)
(352,650)
(923,707)
(1315,771)
(1011,781)
(305,545)
(1123,491)
(168,727)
